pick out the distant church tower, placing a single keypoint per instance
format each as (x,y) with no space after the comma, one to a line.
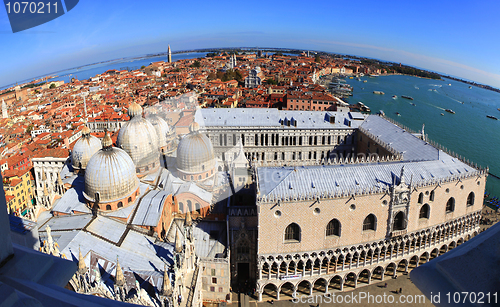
(4,110)
(169,54)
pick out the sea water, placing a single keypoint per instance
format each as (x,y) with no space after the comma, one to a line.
(468,132)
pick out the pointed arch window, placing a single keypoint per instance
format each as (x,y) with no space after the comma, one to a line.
(421,198)
(470,199)
(450,205)
(424,212)
(292,233)
(333,228)
(370,223)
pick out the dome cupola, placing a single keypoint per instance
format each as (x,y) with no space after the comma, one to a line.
(195,155)
(110,179)
(139,139)
(84,149)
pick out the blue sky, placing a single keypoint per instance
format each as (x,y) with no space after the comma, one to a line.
(460,38)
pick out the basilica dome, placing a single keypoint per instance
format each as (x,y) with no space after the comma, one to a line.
(161,127)
(195,155)
(139,139)
(110,177)
(84,149)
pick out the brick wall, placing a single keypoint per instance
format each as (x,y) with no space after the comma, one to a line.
(313,225)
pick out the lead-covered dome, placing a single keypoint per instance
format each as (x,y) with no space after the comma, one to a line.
(139,139)
(84,149)
(195,155)
(110,177)
(161,127)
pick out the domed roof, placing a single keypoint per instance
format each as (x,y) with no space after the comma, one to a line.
(139,139)
(161,128)
(134,110)
(84,149)
(195,153)
(111,173)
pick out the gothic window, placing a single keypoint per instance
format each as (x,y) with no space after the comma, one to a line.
(108,207)
(424,212)
(129,199)
(450,205)
(399,221)
(431,197)
(470,199)
(120,204)
(181,207)
(333,228)
(292,233)
(369,223)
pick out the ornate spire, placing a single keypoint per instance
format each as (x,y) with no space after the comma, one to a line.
(85,131)
(82,268)
(194,127)
(107,143)
(167,287)
(134,110)
(178,243)
(402,177)
(188,221)
(119,278)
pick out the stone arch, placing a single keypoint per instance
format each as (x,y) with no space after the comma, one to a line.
(336,283)
(364,276)
(443,249)
(287,289)
(351,280)
(413,263)
(402,266)
(378,273)
(324,264)
(283,268)
(304,287)
(320,285)
(300,267)
(390,269)
(270,291)
(291,268)
(274,269)
(434,254)
(423,258)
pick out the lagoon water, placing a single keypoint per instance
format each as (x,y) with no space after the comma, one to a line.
(129,63)
(468,132)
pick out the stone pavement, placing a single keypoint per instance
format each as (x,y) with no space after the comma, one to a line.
(376,289)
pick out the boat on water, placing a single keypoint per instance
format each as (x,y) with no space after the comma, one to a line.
(442,114)
(381,112)
(470,86)
(373,75)
(394,97)
(492,117)
(364,81)
(378,92)
(398,114)
(498,109)
(407,97)
(450,111)
(413,104)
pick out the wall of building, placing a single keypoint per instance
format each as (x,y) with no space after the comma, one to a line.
(313,224)
(215,279)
